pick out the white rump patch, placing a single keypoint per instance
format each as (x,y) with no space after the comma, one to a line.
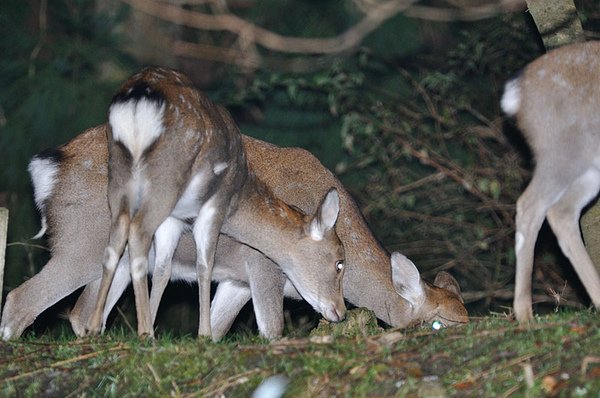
(511,99)
(136,124)
(219,167)
(43,173)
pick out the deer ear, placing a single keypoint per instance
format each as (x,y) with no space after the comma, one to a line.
(407,280)
(326,215)
(446,281)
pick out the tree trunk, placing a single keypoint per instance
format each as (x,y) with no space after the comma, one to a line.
(3,237)
(557,21)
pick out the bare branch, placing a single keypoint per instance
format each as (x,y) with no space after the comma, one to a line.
(250,35)
(351,38)
(464,13)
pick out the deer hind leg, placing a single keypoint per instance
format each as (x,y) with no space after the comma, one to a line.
(206,233)
(564,220)
(229,299)
(143,227)
(61,276)
(532,206)
(118,238)
(166,239)
(82,311)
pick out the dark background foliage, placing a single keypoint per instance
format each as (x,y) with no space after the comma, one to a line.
(410,121)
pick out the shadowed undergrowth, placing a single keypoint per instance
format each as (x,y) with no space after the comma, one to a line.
(556,355)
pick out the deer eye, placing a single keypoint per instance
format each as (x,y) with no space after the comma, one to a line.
(339,266)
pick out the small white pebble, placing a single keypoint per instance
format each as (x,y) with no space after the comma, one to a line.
(271,387)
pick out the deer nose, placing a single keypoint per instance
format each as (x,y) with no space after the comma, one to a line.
(336,313)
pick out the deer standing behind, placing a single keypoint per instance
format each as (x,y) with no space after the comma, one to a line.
(77,196)
(556,102)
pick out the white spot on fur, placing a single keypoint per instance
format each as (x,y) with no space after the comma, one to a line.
(219,167)
(519,241)
(136,124)
(110,259)
(139,268)
(511,99)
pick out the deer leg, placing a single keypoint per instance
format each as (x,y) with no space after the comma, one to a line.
(532,206)
(165,242)
(61,276)
(206,233)
(266,285)
(564,220)
(118,238)
(82,311)
(141,232)
(227,303)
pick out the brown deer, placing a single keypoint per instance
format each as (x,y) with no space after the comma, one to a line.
(78,178)
(171,157)
(256,217)
(555,101)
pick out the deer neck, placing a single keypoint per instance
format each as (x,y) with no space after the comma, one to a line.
(263,221)
(368,277)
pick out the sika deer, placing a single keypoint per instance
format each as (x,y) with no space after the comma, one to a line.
(171,158)
(556,101)
(75,195)
(305,247)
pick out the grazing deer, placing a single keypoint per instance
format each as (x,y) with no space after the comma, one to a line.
(305,247)
(555,101)
(262,281)
(76,196)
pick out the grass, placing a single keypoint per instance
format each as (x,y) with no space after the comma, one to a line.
(556,355)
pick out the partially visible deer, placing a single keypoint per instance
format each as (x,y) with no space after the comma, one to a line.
(172,157)
(556,102)
(76,196)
